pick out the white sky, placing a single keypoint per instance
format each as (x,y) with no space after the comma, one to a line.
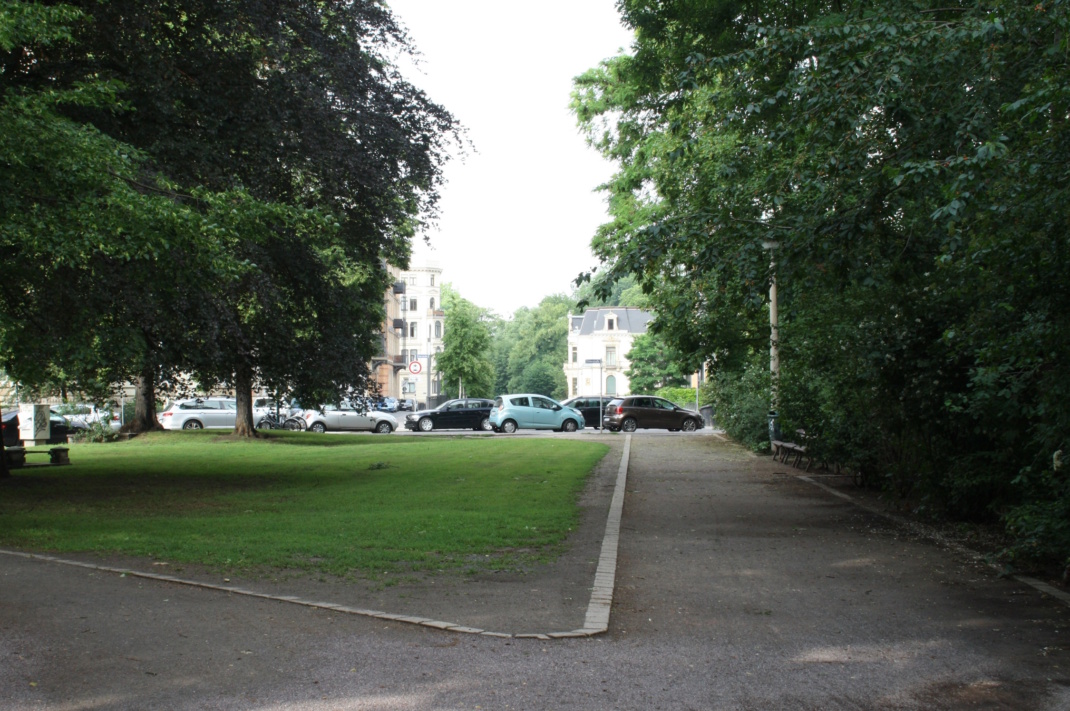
(518,214)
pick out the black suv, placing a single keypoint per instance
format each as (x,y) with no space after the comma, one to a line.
(649,412)
(588,405)
(462,414)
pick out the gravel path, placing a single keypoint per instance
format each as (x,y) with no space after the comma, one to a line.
(738,587)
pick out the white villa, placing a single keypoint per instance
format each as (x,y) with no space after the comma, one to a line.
(605,333)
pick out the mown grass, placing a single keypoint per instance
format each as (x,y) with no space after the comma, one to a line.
(294,500)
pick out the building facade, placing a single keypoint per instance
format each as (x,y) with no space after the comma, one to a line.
(604,334)
(420,338)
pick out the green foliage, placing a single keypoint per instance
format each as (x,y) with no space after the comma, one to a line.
(466,344)
(284,502)
(910,163)
(221,181)
(530,349)
(740,402)
(654,364)
(97,431)
(682,396)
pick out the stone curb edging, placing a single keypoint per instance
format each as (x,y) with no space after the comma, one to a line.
(596,621)
(924,532)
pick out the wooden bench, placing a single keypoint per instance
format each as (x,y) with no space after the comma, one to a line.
(16,456)
(797,452)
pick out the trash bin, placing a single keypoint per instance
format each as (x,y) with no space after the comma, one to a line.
(774,426)
(707,414)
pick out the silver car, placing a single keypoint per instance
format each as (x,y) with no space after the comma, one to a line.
(200,413)
(346,417)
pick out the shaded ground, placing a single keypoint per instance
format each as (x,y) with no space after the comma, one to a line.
(738,587)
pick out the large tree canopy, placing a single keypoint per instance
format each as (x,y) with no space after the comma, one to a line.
(308,160)
(909,160)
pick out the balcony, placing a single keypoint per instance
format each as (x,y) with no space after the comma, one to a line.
(399,324)
(399,287)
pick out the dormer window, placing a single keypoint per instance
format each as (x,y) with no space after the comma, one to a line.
(610,323)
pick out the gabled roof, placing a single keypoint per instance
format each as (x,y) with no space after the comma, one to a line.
(628,320)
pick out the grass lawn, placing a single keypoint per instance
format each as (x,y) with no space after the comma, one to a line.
(298,500)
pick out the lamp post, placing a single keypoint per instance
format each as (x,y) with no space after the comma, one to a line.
(598,361)
(774,344)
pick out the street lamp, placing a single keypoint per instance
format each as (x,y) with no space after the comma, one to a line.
(598,361)
(774,344)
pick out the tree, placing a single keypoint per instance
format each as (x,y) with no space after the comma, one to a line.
(465,356)
(654,365)
(909,161)
(293,107)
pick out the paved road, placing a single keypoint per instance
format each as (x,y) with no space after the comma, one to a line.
(738,587)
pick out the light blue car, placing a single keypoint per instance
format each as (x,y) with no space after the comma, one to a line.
(533,412)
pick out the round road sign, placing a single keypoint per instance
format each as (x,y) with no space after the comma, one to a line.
(415,367)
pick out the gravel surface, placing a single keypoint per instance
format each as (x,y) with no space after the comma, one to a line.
(738,587)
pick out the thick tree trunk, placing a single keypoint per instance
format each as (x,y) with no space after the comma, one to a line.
(243,393)
(144,404)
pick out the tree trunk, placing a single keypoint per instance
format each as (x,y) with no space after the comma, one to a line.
(4,471)
(243,394)
(144,404)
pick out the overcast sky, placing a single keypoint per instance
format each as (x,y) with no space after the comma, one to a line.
(517,215)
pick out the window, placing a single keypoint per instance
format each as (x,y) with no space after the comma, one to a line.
(575,381)
(611,385)
(575,355)
(609,324)
(412,304)
(611,356)
(404,304)
(520,402)
(432,283)
(438,329)
(432,306)
(542,403)
(408,386)
(412,330)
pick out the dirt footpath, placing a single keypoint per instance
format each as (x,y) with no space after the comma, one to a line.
(738,587)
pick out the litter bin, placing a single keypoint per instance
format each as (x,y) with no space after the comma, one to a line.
(707,414)
(774,426)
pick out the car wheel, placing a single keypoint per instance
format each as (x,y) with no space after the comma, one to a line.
(485,425)
(426,425)
(192,425)
(318,427)
(688,425)
(508,427)
(629,425)
(568,426)
(384,427)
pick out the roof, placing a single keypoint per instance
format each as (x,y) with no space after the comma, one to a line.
(628,320)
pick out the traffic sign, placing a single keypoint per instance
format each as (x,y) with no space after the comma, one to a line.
(415,367)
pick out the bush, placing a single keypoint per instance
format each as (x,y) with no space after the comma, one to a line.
(96,432)
(682,396)
(741,404)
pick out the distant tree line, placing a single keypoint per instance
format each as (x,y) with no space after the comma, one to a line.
(910,162)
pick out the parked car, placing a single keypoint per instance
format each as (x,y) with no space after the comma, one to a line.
(346,416)
(406,405)
(649,412)
(385,404)
(537,412)
(589,406)
(82,414)
(462,414)
(200,413)
(59,428)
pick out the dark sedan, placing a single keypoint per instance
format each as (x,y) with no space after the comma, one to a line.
(461,414)
(589,406)
(648,412)
(58,425)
